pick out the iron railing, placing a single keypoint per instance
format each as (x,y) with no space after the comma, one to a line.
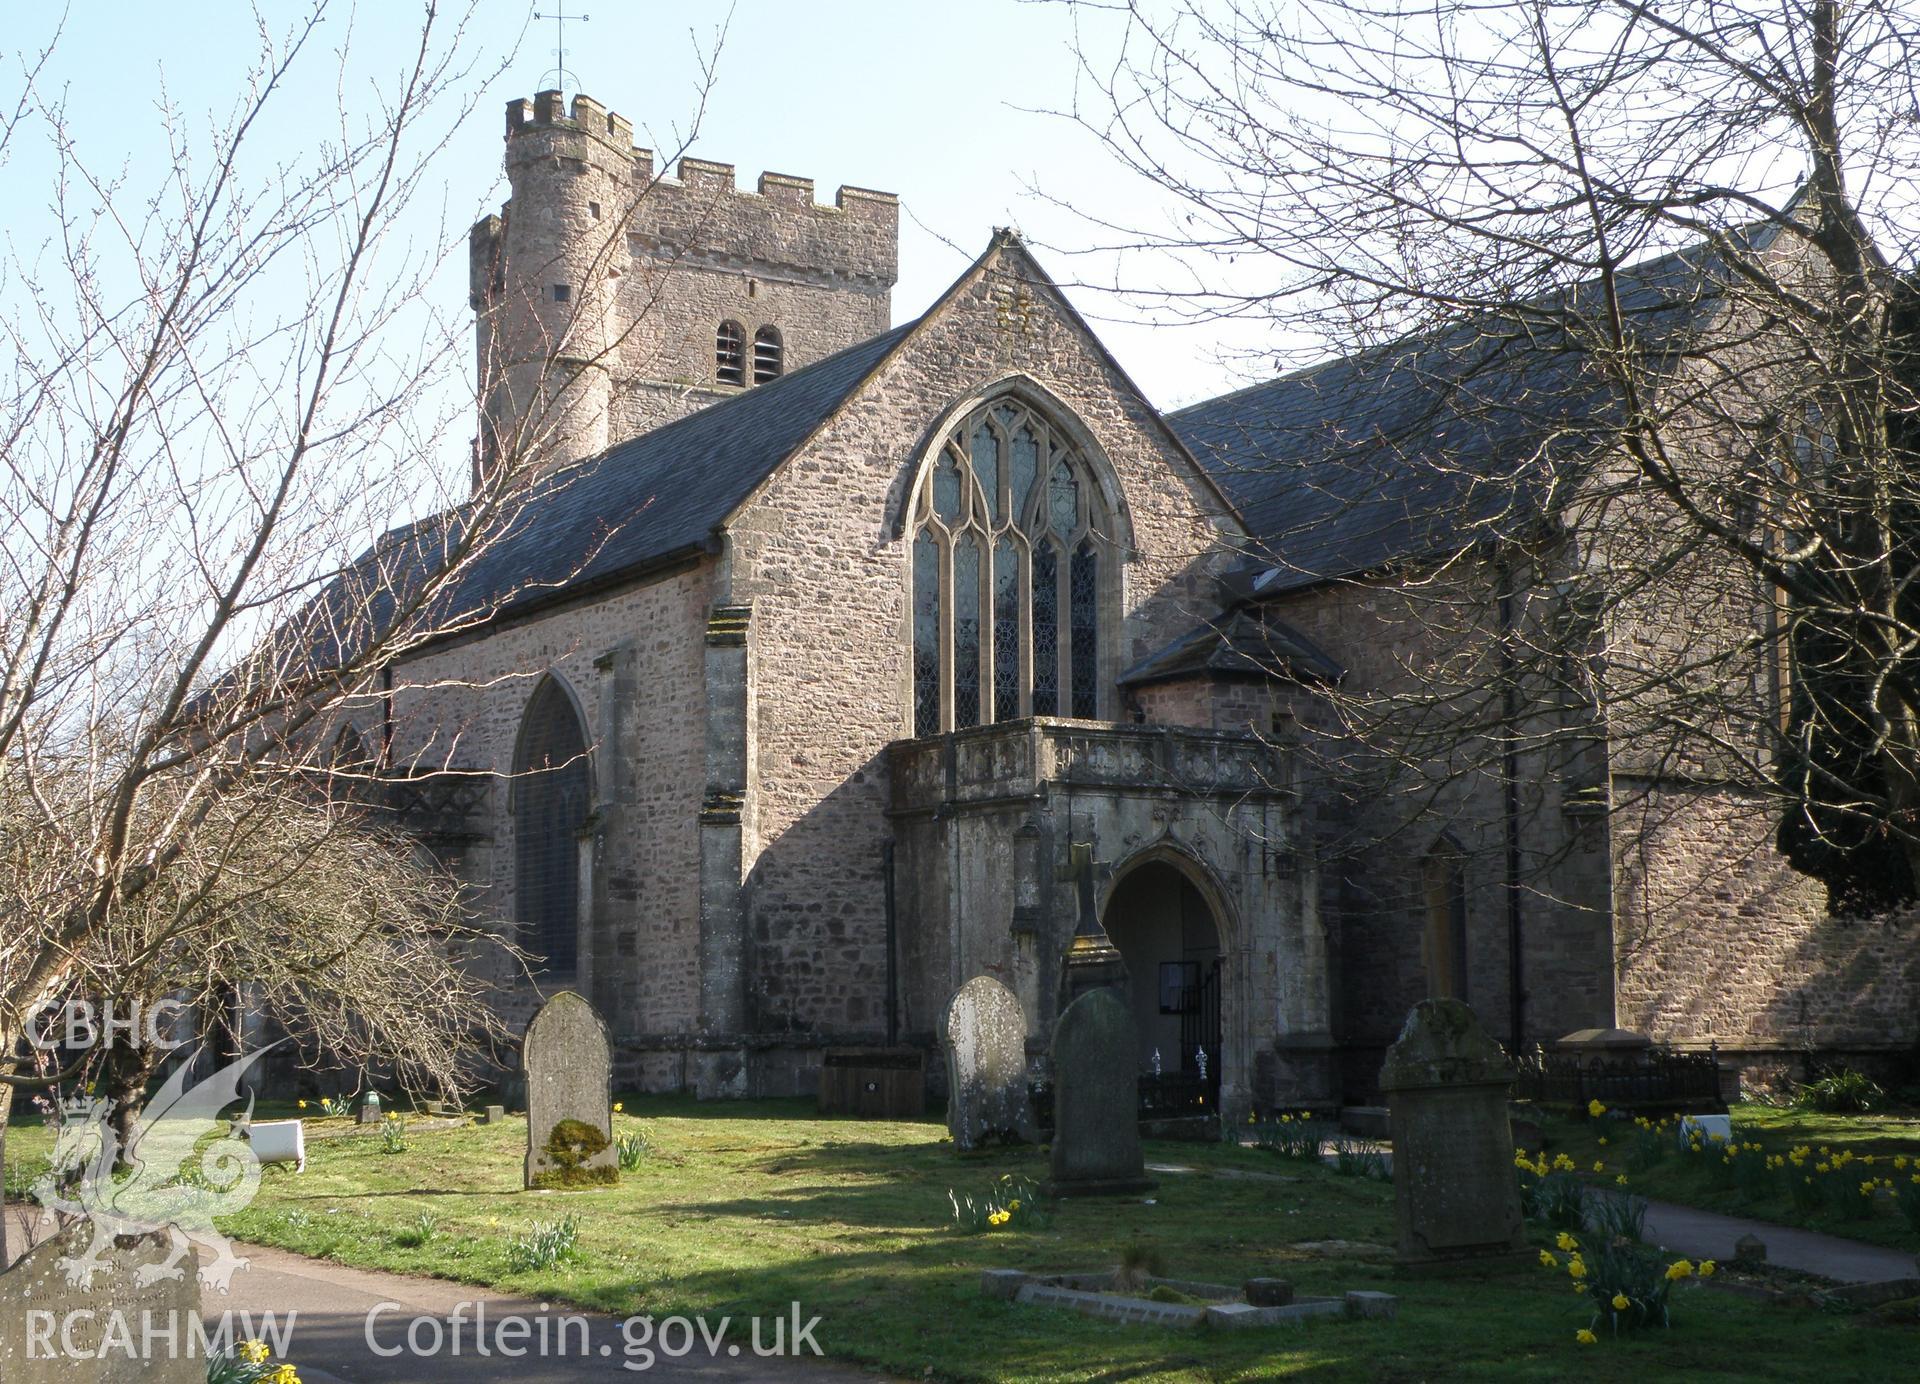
(1655,1079)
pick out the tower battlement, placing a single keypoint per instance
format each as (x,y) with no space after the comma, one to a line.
(631,283)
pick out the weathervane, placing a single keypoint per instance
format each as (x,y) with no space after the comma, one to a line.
(560,72)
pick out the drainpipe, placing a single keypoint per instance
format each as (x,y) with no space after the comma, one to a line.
(1510,792)
(386,716)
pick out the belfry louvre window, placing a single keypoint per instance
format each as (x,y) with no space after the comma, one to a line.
(1010,568)
(730,354)
(766,355)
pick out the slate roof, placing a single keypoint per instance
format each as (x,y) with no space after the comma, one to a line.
(1244,643)
(651,500)
(665,491)
(1418,448)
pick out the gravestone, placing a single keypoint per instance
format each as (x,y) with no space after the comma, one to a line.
(568,1062)
(987,1066)
(1456,1199)
(1096,1100)
(38,1303)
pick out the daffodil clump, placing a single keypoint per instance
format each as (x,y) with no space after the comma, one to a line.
(1626,1285)
(1012,1203)
(250,1362)
(1299,1136)
(1837,1182)
(1551,1192)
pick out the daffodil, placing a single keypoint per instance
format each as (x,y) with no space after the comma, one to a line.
(1620,1181)
(254,1352)
(1621,1302)
(1679,1269)
(1547,1261)
(1577,1268)
(1583,1335)
(1567,1242)
(1595,1109)
(619,1107)
(1706,1268)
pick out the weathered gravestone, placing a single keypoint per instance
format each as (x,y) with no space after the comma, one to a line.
(1456,1198)
(987,1066)
(568,1063)
(1096,1100)
(117,1330)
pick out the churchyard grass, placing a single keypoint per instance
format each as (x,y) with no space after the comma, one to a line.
(744,1208)
(1753,1184)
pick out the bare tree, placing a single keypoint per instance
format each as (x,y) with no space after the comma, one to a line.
(229,395)
(1624,415)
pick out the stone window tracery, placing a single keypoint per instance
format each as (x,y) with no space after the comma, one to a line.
(1011,569)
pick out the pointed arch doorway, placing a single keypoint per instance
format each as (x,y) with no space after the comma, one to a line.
(1170,935)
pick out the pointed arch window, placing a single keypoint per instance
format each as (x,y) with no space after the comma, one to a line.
(1012,575)
(730,354)
(551,790)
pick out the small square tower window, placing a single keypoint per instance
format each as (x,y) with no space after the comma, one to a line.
(593,210)
(562,292)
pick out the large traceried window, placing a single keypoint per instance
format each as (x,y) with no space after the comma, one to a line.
(1012,554)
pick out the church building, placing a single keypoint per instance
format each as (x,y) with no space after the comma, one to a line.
(839,661)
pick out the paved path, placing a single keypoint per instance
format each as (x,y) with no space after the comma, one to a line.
(1709,1235)
(332,1306)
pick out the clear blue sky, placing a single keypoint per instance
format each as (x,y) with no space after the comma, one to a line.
(934,101)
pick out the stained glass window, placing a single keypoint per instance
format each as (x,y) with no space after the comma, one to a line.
(1006,631)
(1063,499)
(966,633)
(926,635)
(1010,573)
(1046,631)
(1083,596)
(946,488)
(1026,467)
(986,468)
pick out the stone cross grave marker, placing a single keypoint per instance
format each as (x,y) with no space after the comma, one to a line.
(568,1062)
(1455,1195)
(987,1066)
(1096,1100)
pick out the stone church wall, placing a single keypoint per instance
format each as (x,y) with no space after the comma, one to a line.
(1379,822)
(633,664)
(819,556)
(1720,940)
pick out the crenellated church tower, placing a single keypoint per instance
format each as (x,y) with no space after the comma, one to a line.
(609,298)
